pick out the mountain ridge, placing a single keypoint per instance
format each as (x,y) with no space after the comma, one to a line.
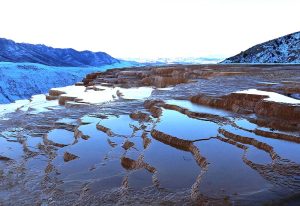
(285,49)
(10,51)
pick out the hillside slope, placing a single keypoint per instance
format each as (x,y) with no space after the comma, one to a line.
(11,51)
(285,49)
(22,80)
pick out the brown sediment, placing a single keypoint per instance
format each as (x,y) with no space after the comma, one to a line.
(3,158)
(237,102)
(79,134)
(275,135)
(155,106)
(49,142)
(181,144)
(201,161)
(276,124)
(185,145)
(196,115)
(155,111)
(146,140)
(160,81)
(55,93)
(49,168)
(251,141)
(271,134)
(155,76)
(140,116)
(105,130)
(119,94)
(278,110)
(49,97)
(63,99)
(127,145)
(281,172)
(65,126)
(131,164)
(111,143)
(232,142)
(69,157)
(150,103)
(90,77)
(85,137)
(251,103)
(172,141)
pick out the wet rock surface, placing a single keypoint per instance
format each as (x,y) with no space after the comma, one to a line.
(199,141)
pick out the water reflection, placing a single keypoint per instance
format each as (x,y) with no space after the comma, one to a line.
(173,154)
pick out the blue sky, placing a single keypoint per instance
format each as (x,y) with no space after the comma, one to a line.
(150,28)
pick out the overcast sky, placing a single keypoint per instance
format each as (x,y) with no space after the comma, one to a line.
(149,28)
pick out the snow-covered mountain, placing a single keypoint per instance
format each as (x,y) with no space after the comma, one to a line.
(285,49)
(22,80)
(11,51)
(178,60)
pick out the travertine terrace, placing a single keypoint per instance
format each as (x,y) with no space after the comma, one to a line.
(172,135)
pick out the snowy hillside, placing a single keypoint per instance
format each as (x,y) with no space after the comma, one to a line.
(285,49)
(22,80)
(11,51)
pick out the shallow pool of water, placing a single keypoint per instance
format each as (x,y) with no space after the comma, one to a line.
(179,125)
(199,108)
